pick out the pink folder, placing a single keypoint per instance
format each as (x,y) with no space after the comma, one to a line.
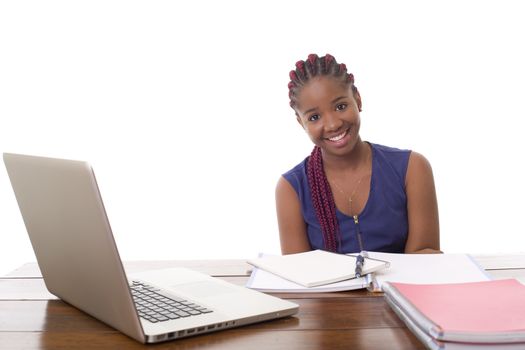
(488,311)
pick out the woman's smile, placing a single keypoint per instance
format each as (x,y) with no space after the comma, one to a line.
(340,139)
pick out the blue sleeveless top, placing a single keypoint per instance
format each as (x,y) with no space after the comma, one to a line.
(383,222)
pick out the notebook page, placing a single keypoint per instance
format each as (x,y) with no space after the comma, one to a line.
(428,269)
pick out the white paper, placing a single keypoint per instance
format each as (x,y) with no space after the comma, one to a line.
(428,268)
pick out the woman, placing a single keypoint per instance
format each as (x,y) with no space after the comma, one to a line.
(350,195)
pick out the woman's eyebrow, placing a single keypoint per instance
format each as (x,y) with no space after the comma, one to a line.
(310,110)
(339,98)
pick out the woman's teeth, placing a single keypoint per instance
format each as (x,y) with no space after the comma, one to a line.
(338,137)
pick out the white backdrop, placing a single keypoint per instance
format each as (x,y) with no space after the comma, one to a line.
(182,109)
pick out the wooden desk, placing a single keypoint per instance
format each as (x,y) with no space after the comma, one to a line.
(31,318)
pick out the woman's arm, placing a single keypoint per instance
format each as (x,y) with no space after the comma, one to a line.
(423,219)
(292,228)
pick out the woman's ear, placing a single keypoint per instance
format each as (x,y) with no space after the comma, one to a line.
(299,120)
(357,98)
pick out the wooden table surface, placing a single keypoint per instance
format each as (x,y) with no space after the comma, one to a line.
(31,318)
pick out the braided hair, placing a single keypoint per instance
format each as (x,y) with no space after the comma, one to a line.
(322,196)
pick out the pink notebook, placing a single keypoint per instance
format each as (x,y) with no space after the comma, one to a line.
(488,311)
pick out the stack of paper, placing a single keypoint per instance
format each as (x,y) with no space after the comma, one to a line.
(473,315)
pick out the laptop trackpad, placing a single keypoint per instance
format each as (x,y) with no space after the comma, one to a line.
(202,289)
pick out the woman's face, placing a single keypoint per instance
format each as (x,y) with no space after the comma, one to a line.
(328,110)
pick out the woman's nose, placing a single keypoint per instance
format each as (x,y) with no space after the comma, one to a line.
(332,122)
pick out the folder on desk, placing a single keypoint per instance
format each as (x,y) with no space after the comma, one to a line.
(316,267)
(487,314)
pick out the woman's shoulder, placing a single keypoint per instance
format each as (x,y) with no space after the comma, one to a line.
(390,154)
(399,153)
(298,170)
(388,149)
(391,160)
(297,176)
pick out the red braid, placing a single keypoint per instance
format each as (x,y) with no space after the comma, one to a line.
(323,200)
(322,197)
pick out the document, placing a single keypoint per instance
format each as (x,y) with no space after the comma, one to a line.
(480,313)
(316,267)
(427,268)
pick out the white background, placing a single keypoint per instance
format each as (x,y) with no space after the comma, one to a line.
(182,109)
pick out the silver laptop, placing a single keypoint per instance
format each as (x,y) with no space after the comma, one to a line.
(70,233)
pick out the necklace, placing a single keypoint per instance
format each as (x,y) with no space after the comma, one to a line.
(356,218)
(351,196)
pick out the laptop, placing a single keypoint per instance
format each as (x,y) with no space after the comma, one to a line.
(75,249)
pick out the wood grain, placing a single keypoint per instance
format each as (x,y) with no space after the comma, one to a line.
(31,318)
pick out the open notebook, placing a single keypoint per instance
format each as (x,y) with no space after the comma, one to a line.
(267,282)
(405,268)
(316,267)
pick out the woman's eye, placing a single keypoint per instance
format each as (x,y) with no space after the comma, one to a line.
(313,118)
(341,107)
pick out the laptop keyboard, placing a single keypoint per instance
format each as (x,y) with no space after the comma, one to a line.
(154,306)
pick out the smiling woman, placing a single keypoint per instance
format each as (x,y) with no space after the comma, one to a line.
(179,106)
(350,195)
